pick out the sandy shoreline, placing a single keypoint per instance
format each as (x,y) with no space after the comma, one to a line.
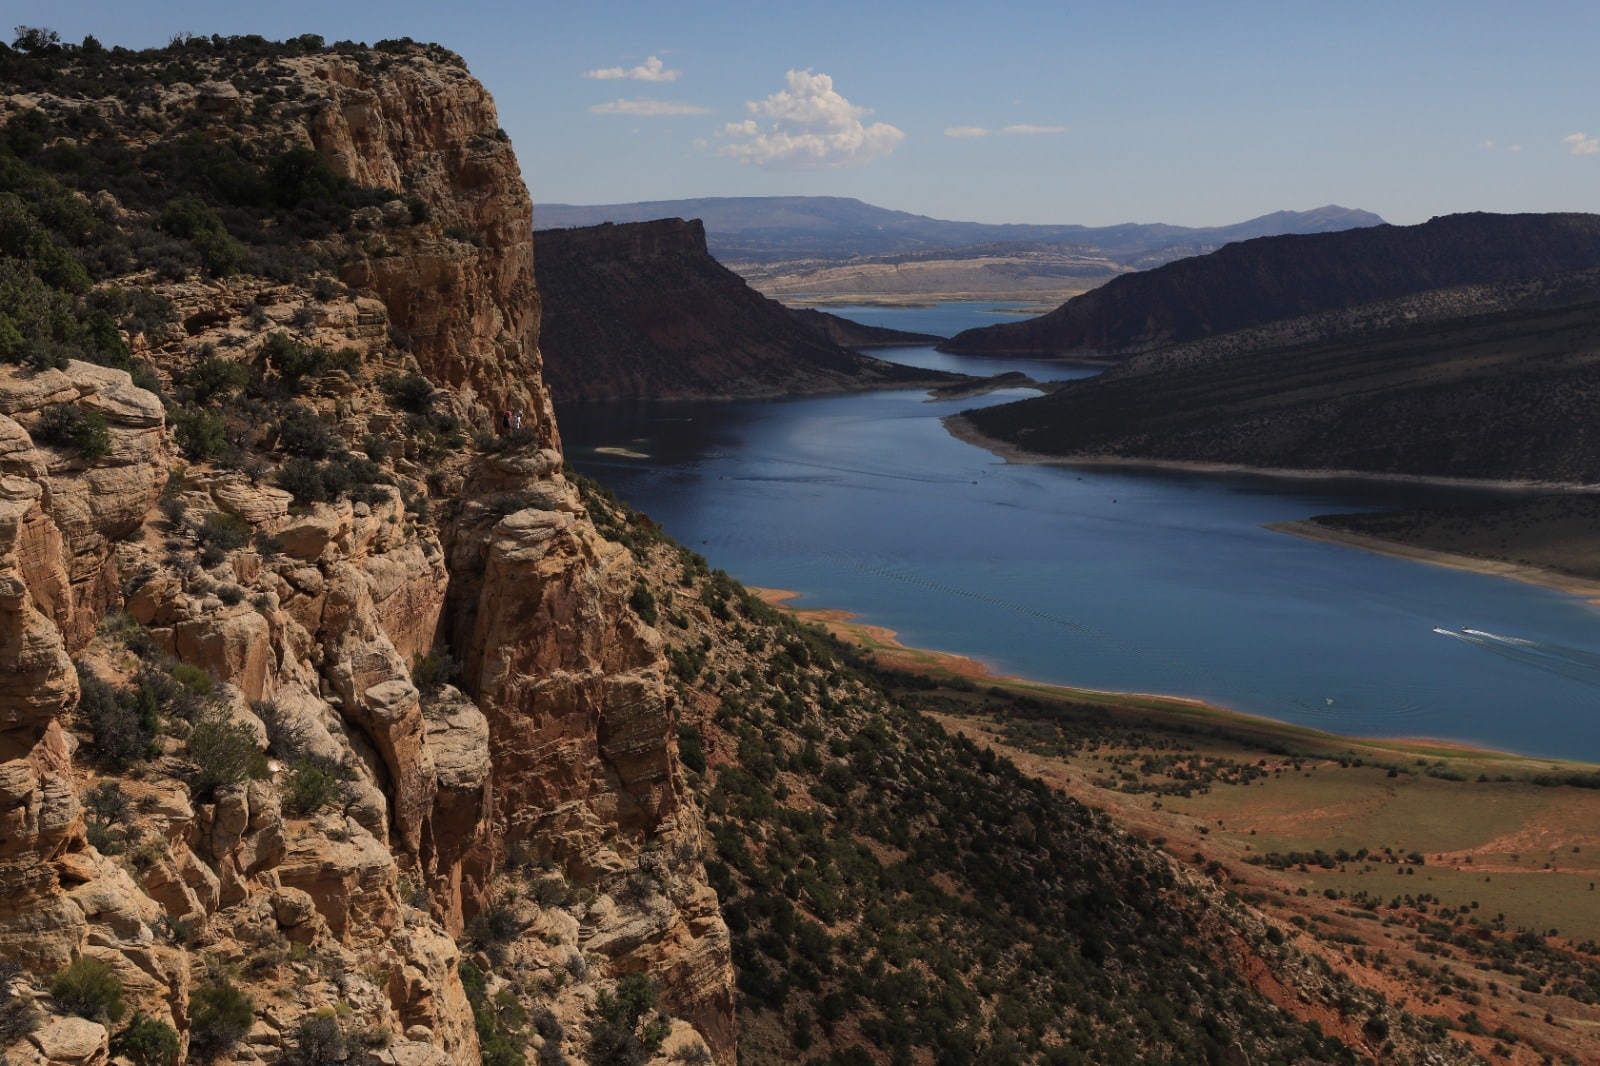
(1531,575)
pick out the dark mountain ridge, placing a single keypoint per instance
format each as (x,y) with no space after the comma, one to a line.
(642,311)
(1486,382)
(1273,278)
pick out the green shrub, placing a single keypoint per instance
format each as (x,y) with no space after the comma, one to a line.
(293,360)
(493,929)
(69,426)
(213,377)
(409,392)
(317,1041)
(219,1018)
(223,752)
(146,1042)
(615,1038)
(88,989)
(309,481)
(219,534)
(433,671)
(643,602)
(302,432)
(124,722)
(202,435)
(312,784)
(196,680)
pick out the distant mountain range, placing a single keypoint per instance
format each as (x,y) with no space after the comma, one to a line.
(767,229)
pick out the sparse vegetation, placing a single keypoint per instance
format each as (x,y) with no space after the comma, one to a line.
(220,1015)
(67,425)
(146,1042)
(88,988)
(222,752)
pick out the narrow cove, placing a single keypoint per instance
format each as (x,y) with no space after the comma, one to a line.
(1110,578)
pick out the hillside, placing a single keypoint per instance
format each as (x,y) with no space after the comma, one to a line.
(1275,278)
(850,334)
(894,892)
(642,311)
(1488,382)
(768,229)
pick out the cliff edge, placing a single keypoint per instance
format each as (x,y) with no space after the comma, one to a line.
(309,674)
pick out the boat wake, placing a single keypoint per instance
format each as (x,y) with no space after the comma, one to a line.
(1578,664)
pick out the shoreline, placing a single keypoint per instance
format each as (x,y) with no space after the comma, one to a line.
(1585,588)
(883,643)
(963,430)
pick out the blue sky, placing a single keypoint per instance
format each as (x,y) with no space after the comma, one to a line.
(1062,112)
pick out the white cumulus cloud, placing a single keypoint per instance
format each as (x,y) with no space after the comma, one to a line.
(651,69)
(1023,129)
(966,131)
(1486,145)
(645,106)
(1581,144)
(808,126)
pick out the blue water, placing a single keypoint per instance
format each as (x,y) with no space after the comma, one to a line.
(1133,581)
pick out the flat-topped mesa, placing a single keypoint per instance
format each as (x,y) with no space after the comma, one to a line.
(641,310)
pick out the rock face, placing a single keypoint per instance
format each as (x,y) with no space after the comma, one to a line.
(317,630)
(1274,278)
(428,127)
(642,311)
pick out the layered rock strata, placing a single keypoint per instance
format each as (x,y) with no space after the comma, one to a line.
(303,633)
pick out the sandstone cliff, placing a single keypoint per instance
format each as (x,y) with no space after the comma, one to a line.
(259,782)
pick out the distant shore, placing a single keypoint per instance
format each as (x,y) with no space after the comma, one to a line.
(1588,588)
(959,427)
(963,430)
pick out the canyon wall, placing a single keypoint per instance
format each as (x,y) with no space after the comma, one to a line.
(550,761)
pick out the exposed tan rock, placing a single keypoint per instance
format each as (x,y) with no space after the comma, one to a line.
(72,1042)
(37,680)
(26,391)
(458,735)
(232,643)
(561,736)
(348,874)
(430,128)
(260,505)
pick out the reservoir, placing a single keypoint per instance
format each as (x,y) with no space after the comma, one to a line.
(1139,581)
